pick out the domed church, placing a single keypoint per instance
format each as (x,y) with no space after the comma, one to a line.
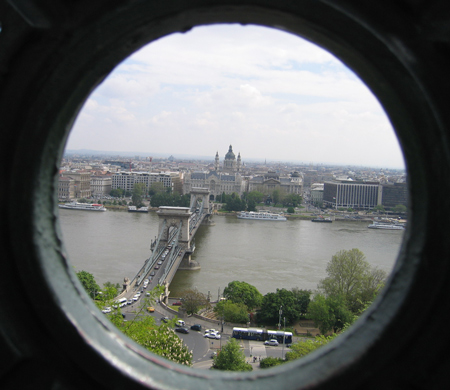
(226,180)
(230,164)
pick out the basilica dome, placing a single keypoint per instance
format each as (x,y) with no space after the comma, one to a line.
(230,155)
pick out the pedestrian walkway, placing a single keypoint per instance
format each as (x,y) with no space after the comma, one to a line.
(257,351)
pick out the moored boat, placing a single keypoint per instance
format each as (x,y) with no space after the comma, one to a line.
(134,209)
(82,206)
(386,226)
(261,216)
(322,219)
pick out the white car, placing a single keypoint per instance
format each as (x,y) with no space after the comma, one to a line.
(272,342)
(213,335)
(106,310)
(211,331)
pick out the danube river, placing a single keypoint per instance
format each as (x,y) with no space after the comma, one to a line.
(267,254)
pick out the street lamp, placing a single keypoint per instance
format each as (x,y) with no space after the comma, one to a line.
(284,339)
(279,317)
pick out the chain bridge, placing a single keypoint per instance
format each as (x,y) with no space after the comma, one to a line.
(174,245)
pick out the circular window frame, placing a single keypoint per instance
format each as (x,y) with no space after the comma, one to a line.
(75,59)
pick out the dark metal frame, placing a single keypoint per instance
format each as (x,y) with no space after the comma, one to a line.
(54,53)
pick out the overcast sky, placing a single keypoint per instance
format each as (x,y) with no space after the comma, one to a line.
(268,93)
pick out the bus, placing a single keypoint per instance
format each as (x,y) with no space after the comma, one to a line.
(280,336)
(262,335)
(248,334)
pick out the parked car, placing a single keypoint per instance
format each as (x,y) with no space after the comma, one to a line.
(182,330)
(272,342)
(176,303)
(196,327)
(152,273)
(106,310)
(156,266)
(180,323)
(165,319)
(159,262)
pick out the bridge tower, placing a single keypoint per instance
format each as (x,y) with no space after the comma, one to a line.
(200,194)
(172,218)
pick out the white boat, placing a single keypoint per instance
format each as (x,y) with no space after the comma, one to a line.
(386,226)
(134,209)
(82,206)
(261,216)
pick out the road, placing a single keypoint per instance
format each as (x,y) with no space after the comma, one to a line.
(202,347)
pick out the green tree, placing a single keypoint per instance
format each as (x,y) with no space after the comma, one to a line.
(255,196)
(302,299)
(156,188)
(232,312)
(379,208)
(242,292)
(234,203)
(271,362)
(400,209)
(116,193)
(231,358)
(290,210)
(329,313)
(303,348)
(292,200)
(89,283)
(251,205)
(276,196)
(110,291)
(137,194)
(351,277)
(283,300)
(193,300)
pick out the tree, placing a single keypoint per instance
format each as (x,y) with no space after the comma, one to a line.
(116,193)
(193,300)
(137,194)
(290,210)
(232,312)
(379,208)
(251,205)
(351,277)
(302,299)
(276,196)
(271,362)
(255,196)
(89,283)
(242,292)
(234,203)
(231,358)
(110,291)
(303,348)
(329,313)
(293,200)
(400,209)
(291,305)
(156,188)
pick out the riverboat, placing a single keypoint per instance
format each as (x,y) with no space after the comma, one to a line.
(82,206)
(134,209)
(322,219)
(386,226)
(261,216)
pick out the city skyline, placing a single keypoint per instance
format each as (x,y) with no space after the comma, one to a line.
(268,93)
